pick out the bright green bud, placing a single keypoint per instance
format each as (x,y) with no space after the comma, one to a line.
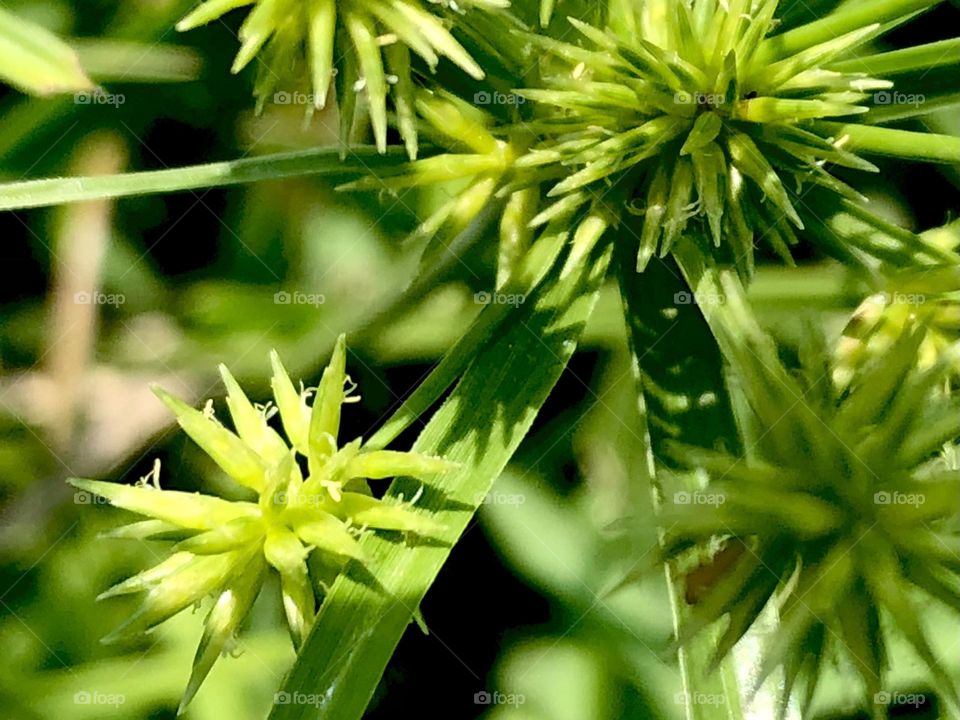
(322,530)
(287,555)
(148,578)
(293,409)
(325,418)
(183,509)
(391,463)
(229,610)
(228,451)
(191,582)
(226,548)
(251,423)
(364,510)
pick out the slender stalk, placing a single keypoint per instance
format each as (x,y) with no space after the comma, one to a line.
(897,143)
(921,57)
(320,161)
(851,17)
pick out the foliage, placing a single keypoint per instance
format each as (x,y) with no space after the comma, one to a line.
(629,178)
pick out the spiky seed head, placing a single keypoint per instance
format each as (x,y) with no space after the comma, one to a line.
(225,549)
(844,512)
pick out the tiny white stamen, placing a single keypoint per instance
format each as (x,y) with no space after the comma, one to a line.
(152,478)
(267,410)
(349,386)
(333,487)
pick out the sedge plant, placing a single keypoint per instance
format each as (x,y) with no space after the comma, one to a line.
(671,146)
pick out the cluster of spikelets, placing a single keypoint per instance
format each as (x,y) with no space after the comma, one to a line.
(364,45)
(930,296)
(843,516)
(298,526)
(701,119)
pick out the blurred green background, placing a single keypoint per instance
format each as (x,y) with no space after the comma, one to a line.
(100,300)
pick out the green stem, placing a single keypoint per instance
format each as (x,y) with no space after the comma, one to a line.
(907,144)
(852,17)
(925,106)
(321,161)
(920,57)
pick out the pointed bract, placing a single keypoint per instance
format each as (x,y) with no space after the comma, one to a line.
(226,548)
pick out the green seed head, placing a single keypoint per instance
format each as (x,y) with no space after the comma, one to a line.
(226,548)
(703,117)
(301,43)
(930,296)
(708,125)
(842,515)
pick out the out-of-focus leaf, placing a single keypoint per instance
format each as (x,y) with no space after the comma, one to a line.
(555,546)
(36,61)
(123,61)
(109,688)
(562,679)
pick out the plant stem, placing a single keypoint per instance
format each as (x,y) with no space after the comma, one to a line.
(848,18)
(921,57)
(320,161)
(897,143)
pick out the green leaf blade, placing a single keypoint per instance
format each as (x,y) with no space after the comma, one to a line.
(478,427)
